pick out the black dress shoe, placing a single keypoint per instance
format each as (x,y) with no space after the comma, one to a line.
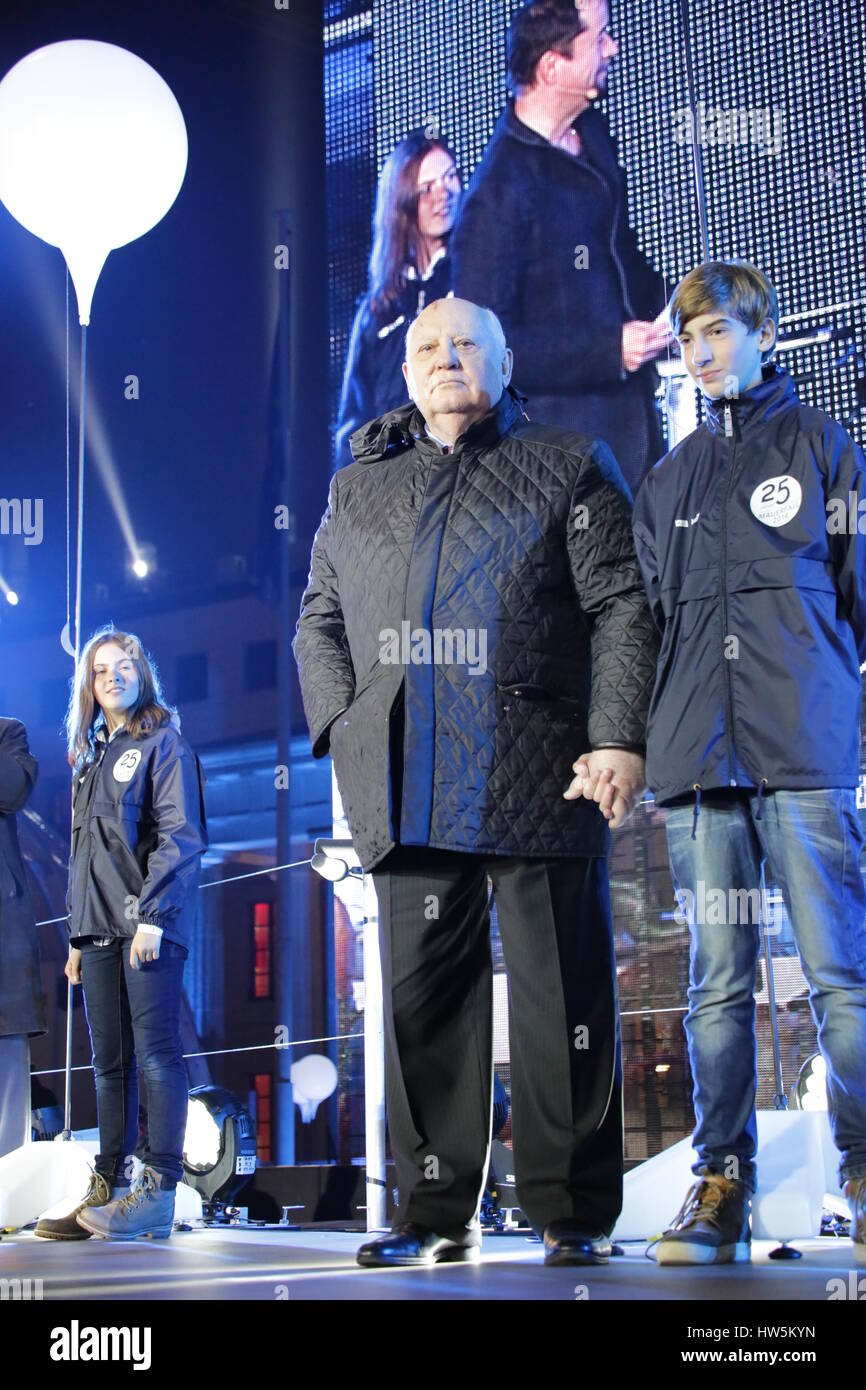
(416,1245)
(566,1244)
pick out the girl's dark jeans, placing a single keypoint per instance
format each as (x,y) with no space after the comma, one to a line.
(134,1022)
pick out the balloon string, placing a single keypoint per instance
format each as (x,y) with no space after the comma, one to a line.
(79,566)
(79,558)
(68,463)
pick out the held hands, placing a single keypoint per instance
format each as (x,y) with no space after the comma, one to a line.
(144,948)
(612,777)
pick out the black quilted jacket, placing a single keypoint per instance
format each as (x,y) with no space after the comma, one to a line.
(514,554)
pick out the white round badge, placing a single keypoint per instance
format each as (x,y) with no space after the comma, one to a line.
(126,764)
(776,500)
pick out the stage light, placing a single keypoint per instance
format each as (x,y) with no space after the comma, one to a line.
(335,860)
(810,1088)
(11,597)
(141,560)
(219,1147)
(93,151)
(201,1143)
(313,1079)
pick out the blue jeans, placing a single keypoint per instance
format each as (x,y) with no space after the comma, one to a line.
(811,841)
(134,1021)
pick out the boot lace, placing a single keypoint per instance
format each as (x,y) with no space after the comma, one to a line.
(702,1204)
(98,1188)
(143,1189)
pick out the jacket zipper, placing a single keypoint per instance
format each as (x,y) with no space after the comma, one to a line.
(629,311)
(723,589)
(613,195)
(96,774)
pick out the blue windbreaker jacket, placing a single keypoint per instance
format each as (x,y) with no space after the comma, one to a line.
(753,555)
(139,829)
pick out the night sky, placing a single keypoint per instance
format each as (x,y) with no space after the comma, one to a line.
(190,308)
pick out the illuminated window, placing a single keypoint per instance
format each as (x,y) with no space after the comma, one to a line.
(262,1088)
(262,953)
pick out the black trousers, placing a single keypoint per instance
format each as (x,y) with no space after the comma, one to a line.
(134,1021)
(566,1070)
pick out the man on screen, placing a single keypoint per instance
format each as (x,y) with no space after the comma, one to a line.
(543,238)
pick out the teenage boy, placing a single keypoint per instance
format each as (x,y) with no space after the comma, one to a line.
(757,580)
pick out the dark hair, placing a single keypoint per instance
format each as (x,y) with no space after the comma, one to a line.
(539,27)
(737,286)
(395,222)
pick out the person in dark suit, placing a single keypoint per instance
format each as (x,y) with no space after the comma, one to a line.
(543,239)
(22,1007)
(461,521)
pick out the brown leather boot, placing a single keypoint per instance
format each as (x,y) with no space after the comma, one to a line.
(66,1227)
(855,1194)
(712,1227)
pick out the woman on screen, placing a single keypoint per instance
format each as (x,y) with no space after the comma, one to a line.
(138,833)
(416,208)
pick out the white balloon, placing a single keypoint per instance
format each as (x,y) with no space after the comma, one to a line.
(314,1076)
(93,151)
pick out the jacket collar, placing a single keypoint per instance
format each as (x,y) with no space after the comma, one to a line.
(411,271)
(753,407)
(590,125)
(103,736)
(400,429)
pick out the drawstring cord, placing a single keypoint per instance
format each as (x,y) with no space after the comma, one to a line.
(696,788)
(697,791)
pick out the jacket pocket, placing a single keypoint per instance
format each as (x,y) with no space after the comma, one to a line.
(128,809)
(782,572)
(346,716)
(525,697)
(695,584)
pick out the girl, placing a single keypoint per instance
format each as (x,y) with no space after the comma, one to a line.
(138,833)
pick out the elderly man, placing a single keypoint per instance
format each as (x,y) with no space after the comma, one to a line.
(474,621)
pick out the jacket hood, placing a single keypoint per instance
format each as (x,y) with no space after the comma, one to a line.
(399,429)
(756,406)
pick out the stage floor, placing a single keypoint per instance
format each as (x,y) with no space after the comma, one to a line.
(233,1263)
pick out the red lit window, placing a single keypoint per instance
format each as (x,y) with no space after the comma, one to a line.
(262,1087)
(263,931)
